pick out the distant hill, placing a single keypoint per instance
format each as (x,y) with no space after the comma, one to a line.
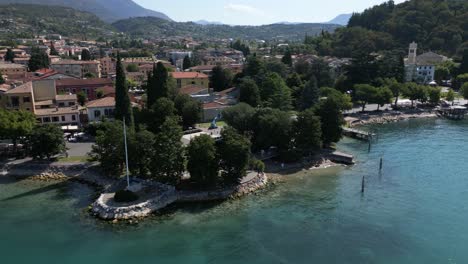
(436,25)
(151,26)
(107,10)
(205,22)
(342,19)
(29,20)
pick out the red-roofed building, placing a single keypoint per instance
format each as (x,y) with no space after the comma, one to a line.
(190,79)
(87,86)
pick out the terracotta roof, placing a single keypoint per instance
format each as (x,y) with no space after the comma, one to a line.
(202,68)
(213,105)
(103,102)
(192,89)
(55,111)
(25,88)
(188,75)
(92,81)
(106,90)
(64,62)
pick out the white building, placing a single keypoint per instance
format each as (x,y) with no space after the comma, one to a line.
(100,109)
(421,68)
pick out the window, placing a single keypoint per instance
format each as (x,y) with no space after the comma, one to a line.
(73,117)
(15,101)
(26,99)
(61,104)
(97,113)
(46,119)
(55,119)
(63,118)
(71,103)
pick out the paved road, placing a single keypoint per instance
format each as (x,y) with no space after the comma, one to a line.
(79,149)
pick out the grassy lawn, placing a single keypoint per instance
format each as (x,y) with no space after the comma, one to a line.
(207,125)
(73,159)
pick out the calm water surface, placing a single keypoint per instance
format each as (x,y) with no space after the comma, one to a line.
(415,211)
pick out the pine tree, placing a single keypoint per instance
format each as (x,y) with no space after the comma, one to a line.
(464,64)
(287,58)
(122,100)
(39,60)
(310,94)
(53,51)
(10,56)
(160,76)
(187,63)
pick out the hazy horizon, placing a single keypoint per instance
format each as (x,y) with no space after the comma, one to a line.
(259,12)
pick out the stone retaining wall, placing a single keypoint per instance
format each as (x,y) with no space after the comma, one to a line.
(102,208)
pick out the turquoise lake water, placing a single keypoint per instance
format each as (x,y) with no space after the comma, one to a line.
(415,211)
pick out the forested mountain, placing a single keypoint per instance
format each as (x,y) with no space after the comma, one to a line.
(107,10)
(151,26)
(437,25)
(18,20)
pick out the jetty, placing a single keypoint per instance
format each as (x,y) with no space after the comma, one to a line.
(358,134)
(453,112)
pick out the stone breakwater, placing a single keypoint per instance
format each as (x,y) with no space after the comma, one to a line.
(386,118)
(105,208)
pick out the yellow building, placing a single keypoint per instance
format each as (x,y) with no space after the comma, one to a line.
(184,79)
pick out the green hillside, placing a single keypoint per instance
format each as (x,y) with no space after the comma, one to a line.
(28,20)
(151,26)
(437,25)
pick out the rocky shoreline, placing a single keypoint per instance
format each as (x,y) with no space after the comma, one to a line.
(106,209)
(386,117)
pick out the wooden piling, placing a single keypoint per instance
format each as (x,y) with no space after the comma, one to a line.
(363,185)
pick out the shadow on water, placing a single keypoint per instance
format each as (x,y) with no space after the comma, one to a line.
(48,188)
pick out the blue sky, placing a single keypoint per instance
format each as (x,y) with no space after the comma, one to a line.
(245,12)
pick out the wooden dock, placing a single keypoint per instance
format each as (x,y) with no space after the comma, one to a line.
(453,112)
(358,134)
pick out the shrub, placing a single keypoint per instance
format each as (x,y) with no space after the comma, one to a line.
(125,196)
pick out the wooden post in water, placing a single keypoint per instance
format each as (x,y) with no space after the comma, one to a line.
(369,146)
(381,163)
(363,185)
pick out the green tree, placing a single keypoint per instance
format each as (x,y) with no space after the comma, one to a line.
(89,75)
(189,109)
(464,90)
(344,101)
(364,94)
(240,117)
(434,95)
(161,110)
(53,51)
(109,148)
(82,98)
(450,96)
(159,84)
(10,55)
(275,94)
(15,125)
(234,153)
(441,73)
(310,94)
(141,152)
(122,100)
(187,63)
(168,159)
(415,92)
(249,92)
(253,66)
(272,127)
(132,67)
(46,141)
(38,60)
(221,79)
(287,58)
(463,69)
(308,131)
(202,162)
(85,55)
(331,118)
(383,96)
(2,81)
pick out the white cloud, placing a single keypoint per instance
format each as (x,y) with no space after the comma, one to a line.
(242,9)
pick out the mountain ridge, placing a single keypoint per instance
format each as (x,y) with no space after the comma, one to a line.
(107,10)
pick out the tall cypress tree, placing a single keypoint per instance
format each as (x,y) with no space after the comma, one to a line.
(122,100)
(464,64)
(53,51)
(10,56)
(160,76)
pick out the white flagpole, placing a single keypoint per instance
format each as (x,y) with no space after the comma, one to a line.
(126,153)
